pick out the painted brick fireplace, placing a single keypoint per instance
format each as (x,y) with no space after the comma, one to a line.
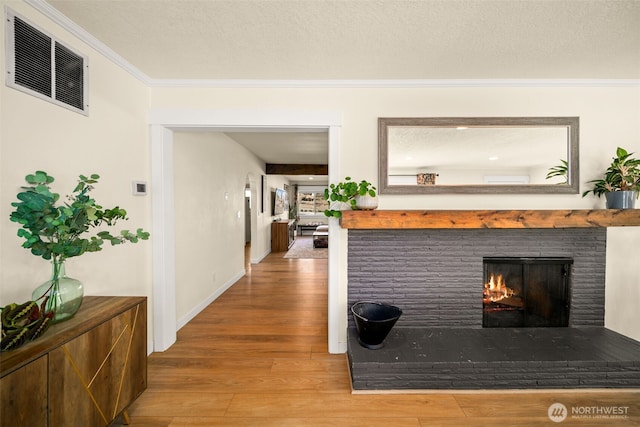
(431,265)
(436,276)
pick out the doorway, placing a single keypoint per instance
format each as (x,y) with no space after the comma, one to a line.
(163,124)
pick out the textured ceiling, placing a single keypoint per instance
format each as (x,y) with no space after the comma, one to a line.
(368,40)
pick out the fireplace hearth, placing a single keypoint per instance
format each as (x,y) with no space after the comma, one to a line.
(493,358)
(448,338)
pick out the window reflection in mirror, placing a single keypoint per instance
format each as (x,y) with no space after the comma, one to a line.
(478,155)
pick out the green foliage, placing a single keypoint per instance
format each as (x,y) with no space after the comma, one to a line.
(23,323)
(622,175)
(560,170)
(346,192)
(57,232)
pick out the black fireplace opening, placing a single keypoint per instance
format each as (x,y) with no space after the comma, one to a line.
(526,292)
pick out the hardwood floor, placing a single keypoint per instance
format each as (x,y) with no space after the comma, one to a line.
(257,356)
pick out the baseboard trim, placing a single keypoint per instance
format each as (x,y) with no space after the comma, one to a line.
(260,258)
(197,309)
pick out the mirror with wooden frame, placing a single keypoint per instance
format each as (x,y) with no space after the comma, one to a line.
(478,155)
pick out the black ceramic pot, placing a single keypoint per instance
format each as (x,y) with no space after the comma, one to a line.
(374,322)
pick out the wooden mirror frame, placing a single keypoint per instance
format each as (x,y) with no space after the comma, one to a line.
(571,187)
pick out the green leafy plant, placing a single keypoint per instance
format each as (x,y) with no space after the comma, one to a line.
(346,192)
(560,170)
(623,174)
(57,232)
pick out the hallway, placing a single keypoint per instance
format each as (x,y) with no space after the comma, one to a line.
(257,356)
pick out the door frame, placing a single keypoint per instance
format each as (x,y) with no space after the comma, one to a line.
(163,124)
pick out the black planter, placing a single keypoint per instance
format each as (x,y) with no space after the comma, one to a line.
(374,322)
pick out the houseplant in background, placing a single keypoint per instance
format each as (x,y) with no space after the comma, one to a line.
(349,194)
(621,182)
(560,171)
(57,231)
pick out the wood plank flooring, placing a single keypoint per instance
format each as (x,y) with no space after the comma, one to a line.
(257,356)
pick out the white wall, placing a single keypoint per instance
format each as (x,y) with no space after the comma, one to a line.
(623,281)
(210,175)
(112,142)
(609,117)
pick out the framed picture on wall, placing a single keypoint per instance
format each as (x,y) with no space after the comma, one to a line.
(263,184)
(427,178)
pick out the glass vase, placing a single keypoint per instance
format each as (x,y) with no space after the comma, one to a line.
(65,294)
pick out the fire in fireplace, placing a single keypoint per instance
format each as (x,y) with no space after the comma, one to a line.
(526,292)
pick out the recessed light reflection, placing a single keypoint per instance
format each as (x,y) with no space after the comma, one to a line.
(492,158)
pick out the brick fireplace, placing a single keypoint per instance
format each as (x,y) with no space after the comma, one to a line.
(436,275)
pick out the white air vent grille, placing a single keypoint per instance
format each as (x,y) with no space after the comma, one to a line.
(32,58)
(42,66)
(69,81)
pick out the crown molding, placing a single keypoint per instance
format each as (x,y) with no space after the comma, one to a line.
(407,83)
(52,13)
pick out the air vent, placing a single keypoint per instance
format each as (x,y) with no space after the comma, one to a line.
(42,66)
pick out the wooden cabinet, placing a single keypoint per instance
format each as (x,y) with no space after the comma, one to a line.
(24,395)
(282,235)
(84,371)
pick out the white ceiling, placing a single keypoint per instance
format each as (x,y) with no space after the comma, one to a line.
(368,39)
(356,40)
(291,147)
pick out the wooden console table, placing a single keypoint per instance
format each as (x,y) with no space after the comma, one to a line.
(282,235)
(82,372)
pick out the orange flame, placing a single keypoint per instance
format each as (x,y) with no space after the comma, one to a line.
(496,289)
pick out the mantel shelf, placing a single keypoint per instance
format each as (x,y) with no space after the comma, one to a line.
(415,219)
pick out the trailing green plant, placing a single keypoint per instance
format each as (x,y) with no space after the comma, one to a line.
(560,170)
(623,174)
(345,192)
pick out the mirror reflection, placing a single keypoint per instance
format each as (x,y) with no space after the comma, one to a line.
(478,155)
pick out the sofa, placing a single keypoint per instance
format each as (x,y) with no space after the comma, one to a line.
(321,237)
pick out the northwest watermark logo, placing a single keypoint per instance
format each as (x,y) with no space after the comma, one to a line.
(558,412)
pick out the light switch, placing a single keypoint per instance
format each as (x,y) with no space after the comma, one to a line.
(139,188)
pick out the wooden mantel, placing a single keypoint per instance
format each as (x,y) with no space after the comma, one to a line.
(413,219)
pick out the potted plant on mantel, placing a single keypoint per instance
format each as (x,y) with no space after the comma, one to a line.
(350,194)
(57,232)
(621,182)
